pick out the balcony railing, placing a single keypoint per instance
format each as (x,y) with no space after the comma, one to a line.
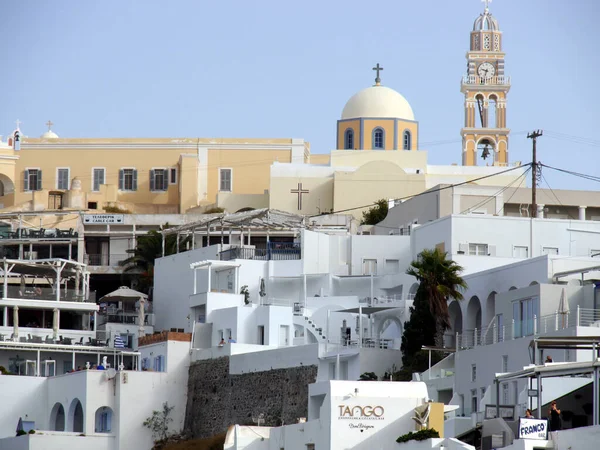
(43,293)
(275,252)
(130,318)
(499,80)
(39,233)
(112,260)
(582,317)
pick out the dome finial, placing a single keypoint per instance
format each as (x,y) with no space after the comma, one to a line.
(377,79)
(487,5)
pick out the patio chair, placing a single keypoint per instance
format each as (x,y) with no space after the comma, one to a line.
(80,341)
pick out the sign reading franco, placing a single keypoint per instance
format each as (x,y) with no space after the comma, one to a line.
(98,219)
(356,412)
(533,429)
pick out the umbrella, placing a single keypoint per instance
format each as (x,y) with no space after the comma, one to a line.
(124,294)
(16,322)
(563,307)
(262,292)
(141,316)
(55,324)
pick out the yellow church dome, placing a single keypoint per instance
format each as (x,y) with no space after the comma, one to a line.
(378,102)
(49,135)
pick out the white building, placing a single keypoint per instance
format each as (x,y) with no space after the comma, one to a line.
(349,414)
(97,409)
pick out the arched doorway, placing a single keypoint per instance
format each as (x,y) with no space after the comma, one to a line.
(75,422)
(57,418)
(456,323)
(6,185)
(103,422)
(413,291)
(474,321)
(490,316)
(389,327)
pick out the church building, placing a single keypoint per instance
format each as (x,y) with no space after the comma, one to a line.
(377,156)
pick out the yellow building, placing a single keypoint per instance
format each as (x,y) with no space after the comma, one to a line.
(170,175)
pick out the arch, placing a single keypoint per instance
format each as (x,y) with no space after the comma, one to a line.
(378,138)
(57,418)
(413,291)
(6,185)
(490,308)
(349,139)
(386,323)
(533,283)
(103,420)
(75,418)
(512,288)
(474,313)
(486,147)
(456,320)
(406,140)
(492,118)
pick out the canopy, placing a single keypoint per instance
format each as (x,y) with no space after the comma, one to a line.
(124,294)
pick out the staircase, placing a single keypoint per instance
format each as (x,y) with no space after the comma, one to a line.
(317,332)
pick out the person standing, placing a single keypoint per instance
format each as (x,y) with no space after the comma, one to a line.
(554,412)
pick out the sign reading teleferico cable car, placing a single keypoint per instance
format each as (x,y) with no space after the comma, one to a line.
(98,219)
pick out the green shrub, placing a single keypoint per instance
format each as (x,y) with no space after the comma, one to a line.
(21,432)
(368,376)
(31,431)
(421,435)
(116,210)
(214,210)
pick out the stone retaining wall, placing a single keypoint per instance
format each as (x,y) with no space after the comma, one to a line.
(217,399)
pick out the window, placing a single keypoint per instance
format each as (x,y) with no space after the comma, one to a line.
(173,175)
(504,363)
(524,312)
(98,176)
(62,178)
(549,251)
(55,200)
(349,140)
(369,267)
(128,180)
(486,42)
(225,180)
(392,266)
(32,180)
(516,392)
(378,139)
(500,327)
(520,251)
(478,249)
(473,372)
(406,140)
(159,180)
(474,400)
(159,363)
(103,421)
(92,205)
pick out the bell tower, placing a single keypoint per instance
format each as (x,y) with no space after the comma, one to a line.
(485,87)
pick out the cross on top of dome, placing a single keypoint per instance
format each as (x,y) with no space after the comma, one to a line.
(377,68)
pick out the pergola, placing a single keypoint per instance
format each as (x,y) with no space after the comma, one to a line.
(215,266)
(551,370)
(262,219)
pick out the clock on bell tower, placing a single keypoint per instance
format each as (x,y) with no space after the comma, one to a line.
(485,87)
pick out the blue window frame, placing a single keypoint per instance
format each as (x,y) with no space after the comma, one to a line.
(349,139)
(378,139)
(407,140)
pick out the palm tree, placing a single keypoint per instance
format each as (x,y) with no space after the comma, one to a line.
(149,247)
(439,281)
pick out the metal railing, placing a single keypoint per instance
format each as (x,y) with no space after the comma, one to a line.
(280,252)
(105,259)
(132,318)
(582,317)
(488,81)
(39,233)
(43,293)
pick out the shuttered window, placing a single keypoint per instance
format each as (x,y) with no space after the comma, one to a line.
(98,176)
(159,180)
(128,180)
(62,178)
(32,180)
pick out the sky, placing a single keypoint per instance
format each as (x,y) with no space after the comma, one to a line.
(281,69)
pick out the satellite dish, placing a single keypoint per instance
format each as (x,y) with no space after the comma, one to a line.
(111,373)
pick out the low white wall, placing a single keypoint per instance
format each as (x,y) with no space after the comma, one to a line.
(279,358)
(58,441)
(24,397)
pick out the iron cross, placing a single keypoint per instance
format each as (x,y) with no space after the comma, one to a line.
(487,4)
(49,124)
(299,191)
(377,68)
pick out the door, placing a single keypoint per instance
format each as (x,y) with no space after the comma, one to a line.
(261,335)
(283,335)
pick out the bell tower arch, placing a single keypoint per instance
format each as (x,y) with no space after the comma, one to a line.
(485,87)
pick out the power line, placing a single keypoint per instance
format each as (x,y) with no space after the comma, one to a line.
(570,172)
(450,186)
(504,203)
(556,197)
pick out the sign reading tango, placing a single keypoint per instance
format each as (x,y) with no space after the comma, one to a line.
(533,429)
(357,412)
(98,219)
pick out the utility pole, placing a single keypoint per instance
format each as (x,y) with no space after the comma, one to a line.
(534,170)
